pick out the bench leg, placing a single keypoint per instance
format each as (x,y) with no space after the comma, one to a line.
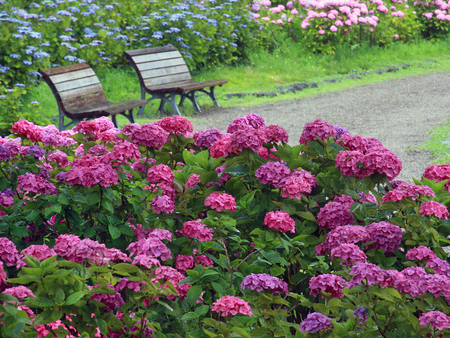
(114,120)
(191,97)
(141,109)
(211,94)
(61,120)
(129,116)
(174,105)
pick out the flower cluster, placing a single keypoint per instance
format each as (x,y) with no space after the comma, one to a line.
(40,252)
(231,305)
(315,322)
(371,273)
(420,253)
(279,220)
(327,283)
(432,208)
(317,129)
(405,190)
(195,229)
(334,214)
(384,236)
(349,234)
(437,320)
(32,183)
(298,183)
(221,201)
(264,281)
(206,138)
(350,253)
(438,173)
(175,125)
(168,274)
(149,135)
(275,173)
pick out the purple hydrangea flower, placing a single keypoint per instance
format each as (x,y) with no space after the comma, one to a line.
(340,131)
(361,313)
(35,150)
(5,154)
(315,322)
(264,281)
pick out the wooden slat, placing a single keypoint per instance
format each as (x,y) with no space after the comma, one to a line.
(80,83)
(160,64)
(123,107)
(156,57)
(64,69)
(150,50)
(70,94)
(85,100)
(204,84)
(148,74)
(156,81)
(167,88)
(72,75)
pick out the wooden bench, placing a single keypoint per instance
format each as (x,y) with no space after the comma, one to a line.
(80,95)
(163,73)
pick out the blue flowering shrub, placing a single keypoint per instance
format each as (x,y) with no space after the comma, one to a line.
(48,33)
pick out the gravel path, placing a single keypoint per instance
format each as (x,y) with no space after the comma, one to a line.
(399,113)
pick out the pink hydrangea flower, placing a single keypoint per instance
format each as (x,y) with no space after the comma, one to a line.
(231,305)
(175,125)
(415,282)
(195,229)
(206,138)
(344,200)
(297,185)
(255,121)
(40,252)
(221,201)
(353,142)
(334,214)
(111,300)
(239,123)
(221,148)
(405,190)
(247,138)
(275,133)
(274,173)
(437,320)
(163,204)
(35,184)
(184,263)
(317,128)
(6,200)
(315,322)
(350,253)
(95,126)
(371,273)
(125,283)
(204,261)
(145,261)
(151,246)
(264,281)
(328,283)
(20,292)
(192,180)
(383,161)
(420,253)
(8,252)
(101,174)
(160,173)
(349,162)
(279,220)
(384,235)
(124,151)
(440,266)
(3,276)
(167,273)
(350,234)
(149,135)
(432,208)
(60,158)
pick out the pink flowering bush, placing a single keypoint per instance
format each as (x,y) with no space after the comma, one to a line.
(146,231)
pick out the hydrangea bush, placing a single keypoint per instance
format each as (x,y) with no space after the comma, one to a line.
(153,231)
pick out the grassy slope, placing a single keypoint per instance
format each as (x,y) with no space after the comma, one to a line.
(286,65)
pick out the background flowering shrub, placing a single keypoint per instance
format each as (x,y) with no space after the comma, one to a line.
(148,232)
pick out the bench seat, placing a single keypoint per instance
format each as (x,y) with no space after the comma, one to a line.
(163,74)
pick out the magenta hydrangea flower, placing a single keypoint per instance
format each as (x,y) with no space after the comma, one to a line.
(383,161)
(341,235)
(8,252)
(344,200)
(175,125)
(275,133)
(35,184)
(437,320)
(3,276)
(439,266)
(231,305)
(149,135)
(203,260)
(349,162)
(438,173)
(101,174)
(221,201)
(95,126)
(20,292)
(328,283)
(221,148)
(255,121)
(5,153)
(247,138)
(206,138)
(295,186)
(40,252)
(264,281)
(350,253)
(239,123)
(384,235)
(160,173)
(315,322)
(334,214)
(184,263)
(125,283)
(432,208)
(279,220)
(192,180)
(111,300)
(167,273)
(317,128)
(371,273)
(415,282)
(419,253)
(145,261)
(195,229)
(275,173)
(6,200)
(59,157)
(405,190)
(353,143)
(163,204)
(151,246)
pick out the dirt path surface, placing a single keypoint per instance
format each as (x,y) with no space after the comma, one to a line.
(399,113)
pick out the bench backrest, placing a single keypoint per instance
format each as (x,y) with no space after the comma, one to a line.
(158,66)
(74,86)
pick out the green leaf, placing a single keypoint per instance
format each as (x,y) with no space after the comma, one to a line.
(32,215)
(240,331)
(19,231)
(39,302)
(189,158)
(316,147)
(194,294)
(306,215)
(75,297)
(208,177)
(114,232)
(139,192)
(238,170)
(102,326)
(63,199)
(124,267)
(107,205)
(93,197)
